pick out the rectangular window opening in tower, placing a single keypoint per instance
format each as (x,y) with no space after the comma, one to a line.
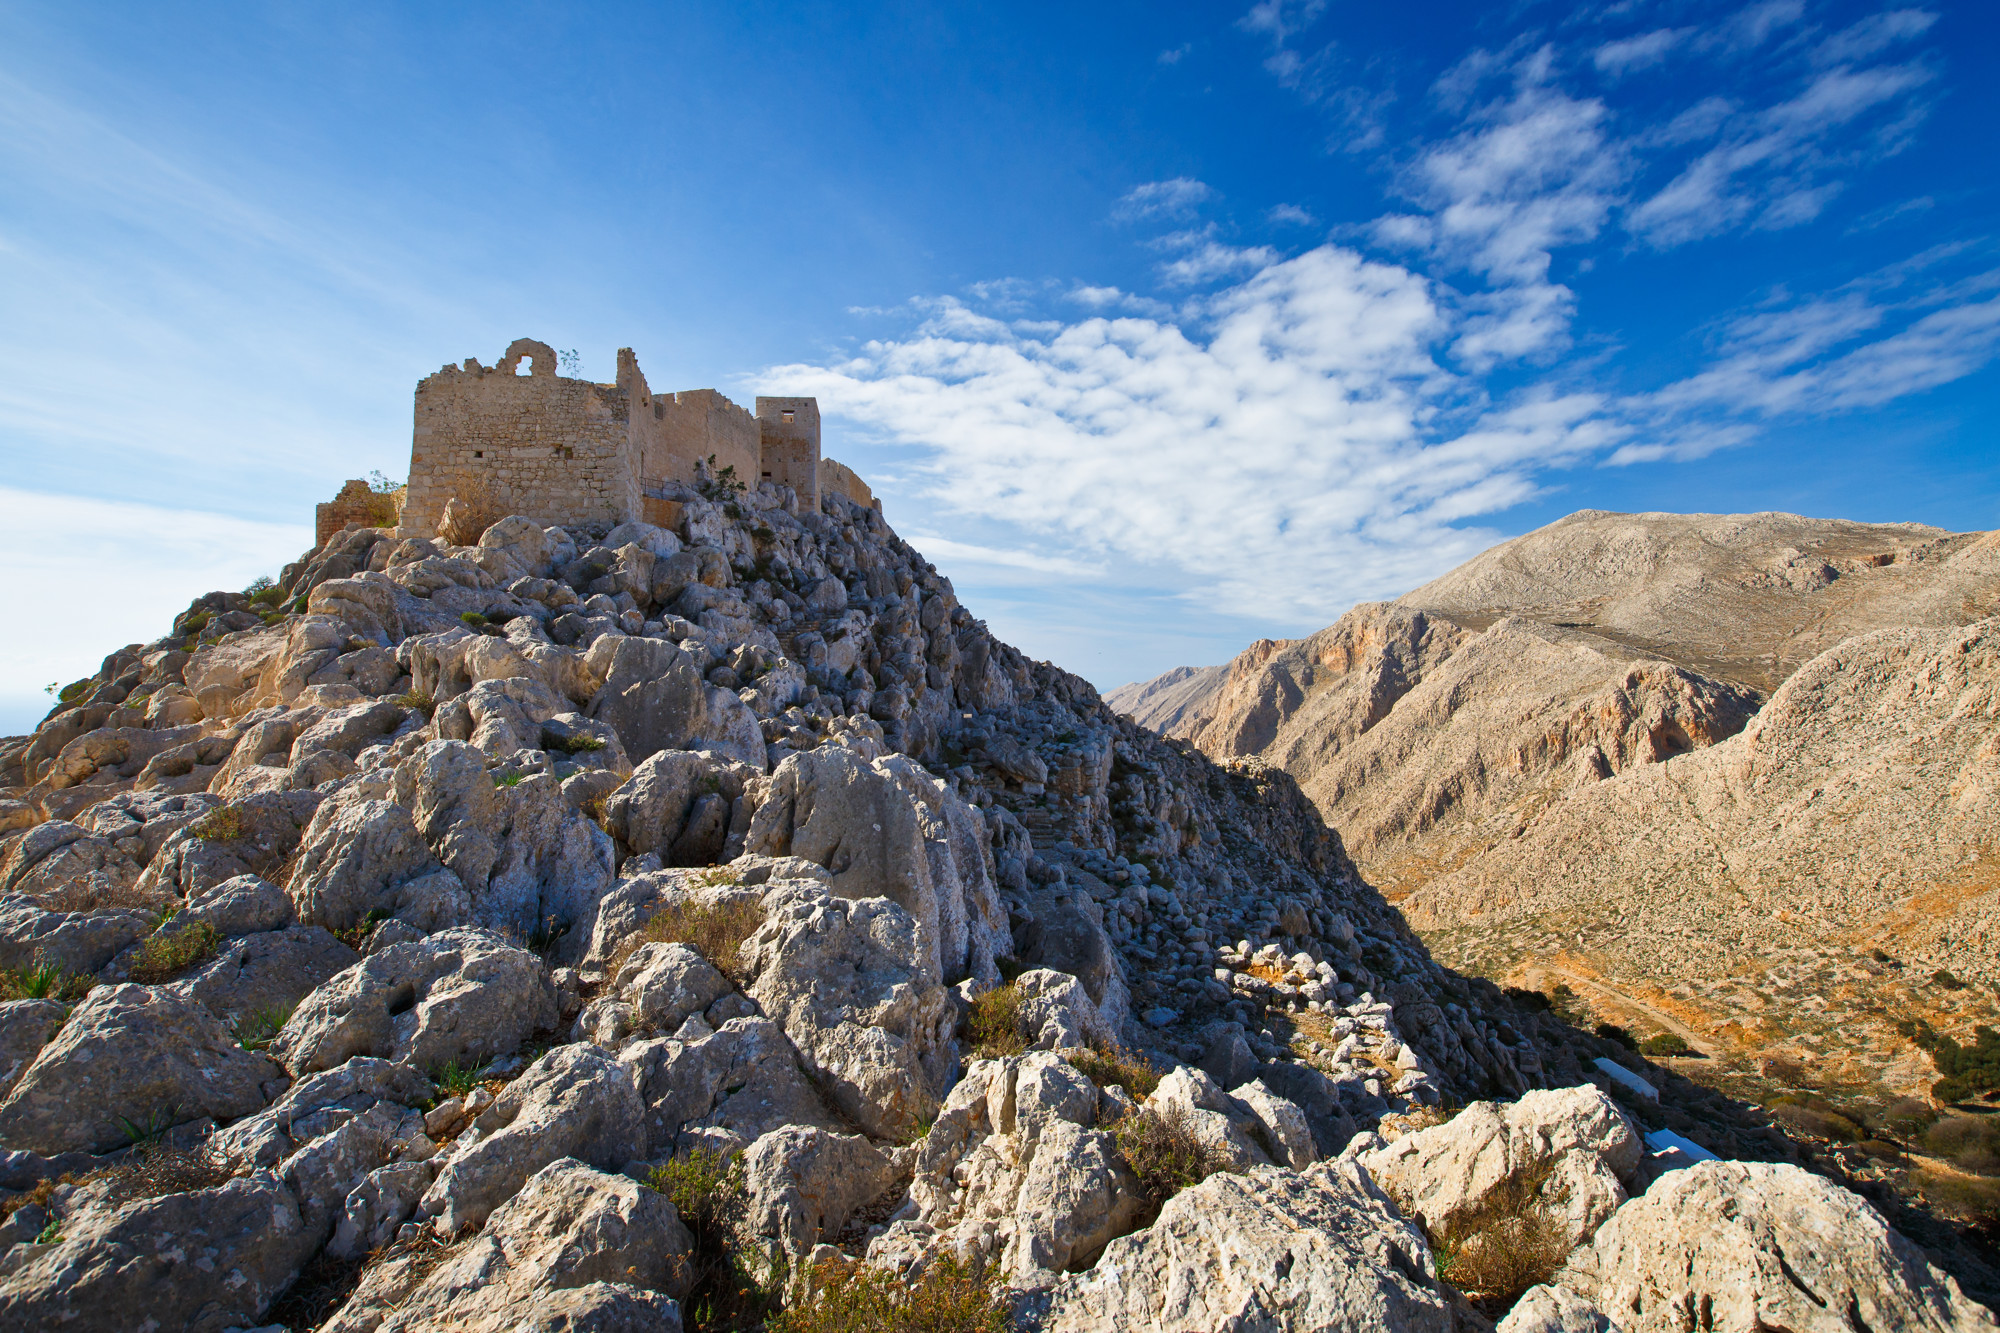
(788,416)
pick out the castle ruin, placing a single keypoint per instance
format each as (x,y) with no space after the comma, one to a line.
(571,452)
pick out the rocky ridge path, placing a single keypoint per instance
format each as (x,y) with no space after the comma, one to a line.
(375,934)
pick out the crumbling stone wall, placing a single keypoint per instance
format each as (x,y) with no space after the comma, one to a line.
(672,432)
(567,451)
(837,478)
(555,449)
(357,505)
(790,431)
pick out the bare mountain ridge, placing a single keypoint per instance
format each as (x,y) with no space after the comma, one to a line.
(1460,739)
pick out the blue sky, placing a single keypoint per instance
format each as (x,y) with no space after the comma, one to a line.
(1158,327)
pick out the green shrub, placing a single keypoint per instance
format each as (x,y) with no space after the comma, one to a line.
(1967,1070)
(581,742)
(166,954)
(852,1297)
(1970,1143)
(1165,1153)
(706,1189)
(1106,1066)
(508,779)
(1612,1032)
(75,691)
(1908,1117)
(995,1023)
(472,618)
(1973,1198)
(715,931)
(1944,978)
(1664,1044)
(418,701)
(1816,1119)
(146,1134)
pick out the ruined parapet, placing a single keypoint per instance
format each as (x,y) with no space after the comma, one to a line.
(555,449)
(357,506)
(836,478)
(790,439)
(672,432)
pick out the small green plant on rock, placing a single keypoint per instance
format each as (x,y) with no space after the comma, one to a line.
(948,1297)
(1665,1044)
(995,1023)
(418,701)
(257,1030)
(43,980)
(457,1078)
(166,954)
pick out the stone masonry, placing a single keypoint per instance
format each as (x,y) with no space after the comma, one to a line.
(569,451)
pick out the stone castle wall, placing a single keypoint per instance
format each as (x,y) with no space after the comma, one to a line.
(836,478)
(672,432)
(357,506)
(557,450)
(567,451)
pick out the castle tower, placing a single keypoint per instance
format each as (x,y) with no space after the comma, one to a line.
(790,430)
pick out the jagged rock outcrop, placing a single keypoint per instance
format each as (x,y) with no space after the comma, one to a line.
(642,843)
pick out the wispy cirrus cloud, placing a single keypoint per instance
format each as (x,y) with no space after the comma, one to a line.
(1172,199)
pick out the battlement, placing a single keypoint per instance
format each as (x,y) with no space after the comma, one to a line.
(570,451)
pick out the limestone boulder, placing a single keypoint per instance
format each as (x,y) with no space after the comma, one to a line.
(135,1054)
(80,942)
(245,905)
(531,864)
(573,1102)
(1572,1146)
(255,836)
(886,828)
(651,811)
(264,974)
(318,1104)
(462,994)
(735,1084)
(849,983)
(356,854)
(804,1183)
(657,989)
(60,866)
(25,1027)
(1014,1167)
(523,541)
(1292,1251)
(1743,1246)
(576,1249)
(1223,1124)
(1546,1309)
(206,1261)
(652,695)
(1057,1012)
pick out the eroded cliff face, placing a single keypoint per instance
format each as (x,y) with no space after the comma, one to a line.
(413,908)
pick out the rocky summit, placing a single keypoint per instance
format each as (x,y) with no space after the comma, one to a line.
(709,924)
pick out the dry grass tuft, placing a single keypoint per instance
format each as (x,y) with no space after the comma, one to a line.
(1165,1153)
(1107,1065)
(716,931)
(948,1297)
(159,1170)
(995,1023)
(1511,1242)
(222,824)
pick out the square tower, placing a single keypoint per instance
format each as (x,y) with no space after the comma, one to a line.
(790,431)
